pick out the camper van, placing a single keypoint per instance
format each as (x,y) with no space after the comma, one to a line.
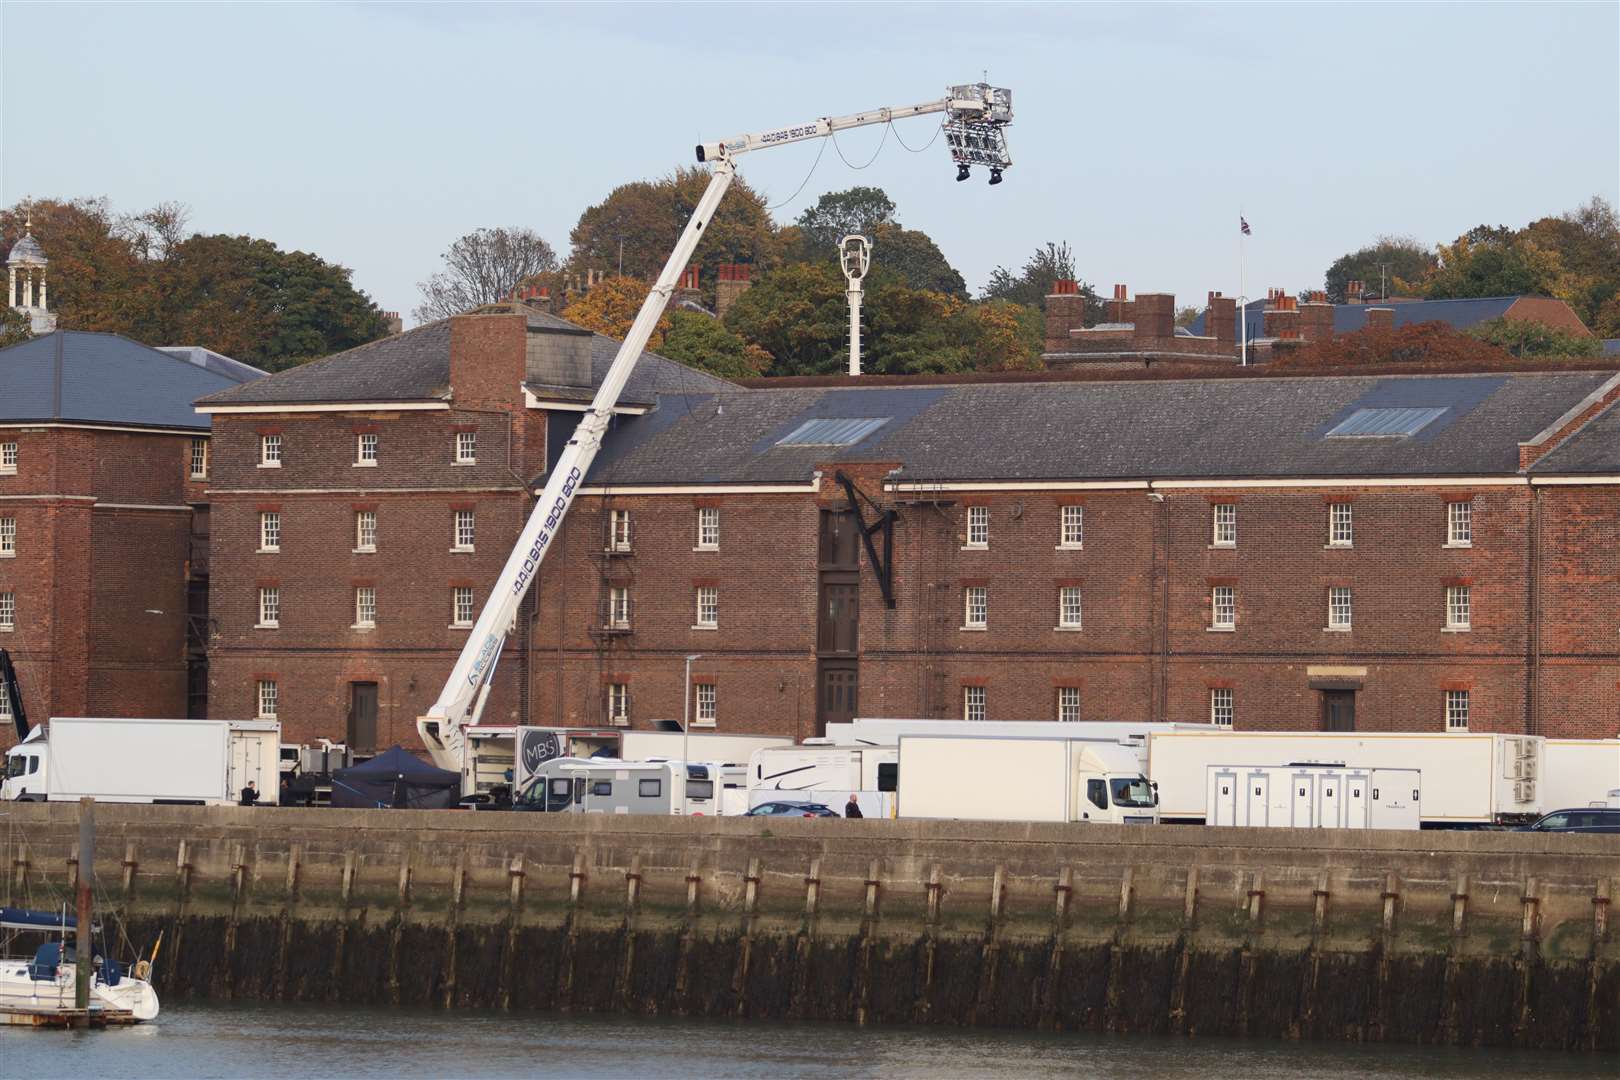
(609,786)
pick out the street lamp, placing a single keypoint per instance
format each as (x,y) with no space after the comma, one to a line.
(686,707)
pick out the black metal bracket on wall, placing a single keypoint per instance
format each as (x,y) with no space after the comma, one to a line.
(883,568)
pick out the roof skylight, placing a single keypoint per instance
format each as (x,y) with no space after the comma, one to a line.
(842,431)
(1385,423)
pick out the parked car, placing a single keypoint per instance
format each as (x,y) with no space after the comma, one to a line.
(792,809)
(1592,819)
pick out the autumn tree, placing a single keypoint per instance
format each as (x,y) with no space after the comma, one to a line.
(704,343)
(644,219)
(482,267)
(1401,263)
(14,327)
(611,306)
(798,314)
(95,274)
(1524,337)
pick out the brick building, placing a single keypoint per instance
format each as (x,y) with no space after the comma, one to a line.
(104,525)
(1401,553)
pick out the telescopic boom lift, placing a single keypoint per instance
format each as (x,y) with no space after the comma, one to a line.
(975,118)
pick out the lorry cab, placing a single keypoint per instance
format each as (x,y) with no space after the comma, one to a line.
(25,770)
(1124,798)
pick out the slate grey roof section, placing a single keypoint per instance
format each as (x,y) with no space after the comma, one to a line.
(1592,450)
(75,376)
(1348,318)
(218,363)
(1170,429)
(415,366)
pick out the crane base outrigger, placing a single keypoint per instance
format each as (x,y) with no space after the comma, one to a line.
(975,118)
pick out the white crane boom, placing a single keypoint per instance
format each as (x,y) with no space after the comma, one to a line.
(976,115)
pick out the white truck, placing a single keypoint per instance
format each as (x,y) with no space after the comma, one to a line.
(1580,772)
(1469,779)
(1314,797)
(145,761)
(824,773)
(985,778)
(881,731)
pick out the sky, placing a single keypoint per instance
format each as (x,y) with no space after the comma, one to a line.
(375,134)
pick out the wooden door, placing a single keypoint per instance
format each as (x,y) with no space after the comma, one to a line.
(1338,710)
(363,717)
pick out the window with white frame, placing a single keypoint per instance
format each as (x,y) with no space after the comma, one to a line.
(1069,614)
(466,447)
(1456,710)
(705,707)
(1223,607)
(461,605)
(1341,532)
(8,611)
(708,527)
(365,449)
(269,699)
(269,451)
(8,457)
(365,606)
(365,530)
(1220,706)
(199,459)
(270,530)
(1073,532)
(973,703)
(1339,608)
(619,607)
(1459,607)
(618,703)
(8,537)
(1460,523)
(1223,521)
(464,531)
(618,530)
(1068,704)
(269,606)
(708,606)
(5,704)
(978,526)
(976,607)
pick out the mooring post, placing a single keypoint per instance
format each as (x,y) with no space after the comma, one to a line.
(348,877)
(514,873)
(1189,901)
(873,883)
(1391,897)
(934,888)
(1319,904)
(131,867)
(632,884)
(405,878)
(812,889)
(1127,886)
(694,881)
(1065,892)
(576,879)
(1531,901)
(1459,905)
(182,870)
(294,855)
(751,887)
(86,873)
(238,872)
(1257,896)
(1600,912)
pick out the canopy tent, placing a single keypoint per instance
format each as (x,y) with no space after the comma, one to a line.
(398,780)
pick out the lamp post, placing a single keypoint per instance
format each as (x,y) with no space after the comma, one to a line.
(686,707)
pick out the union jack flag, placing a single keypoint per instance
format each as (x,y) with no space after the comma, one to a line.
(1244,225)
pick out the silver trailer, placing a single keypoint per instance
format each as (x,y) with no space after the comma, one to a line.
(609,786)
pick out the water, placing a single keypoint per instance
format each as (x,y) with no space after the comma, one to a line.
(264,1041)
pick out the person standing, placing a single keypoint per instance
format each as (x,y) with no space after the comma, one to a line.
(250,794)
(852,809)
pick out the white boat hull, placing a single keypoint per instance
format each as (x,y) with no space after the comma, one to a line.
(22,995)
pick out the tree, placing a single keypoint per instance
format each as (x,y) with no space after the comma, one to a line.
(14,327)
(916,259)
(704,343)
(1522,337)
(1397,263)
(1587,242)
(1494,261)
(1031,285)
(95,275)
(482,267)
(869,212)
(1428,345)
(644,219)
(1186,316)
(611,306)
(859,210)
(797,314)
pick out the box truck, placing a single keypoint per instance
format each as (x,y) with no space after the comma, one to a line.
(146,761)
(983,778)
(822,773)
(1469,779)
(1579,772)
(1314,797)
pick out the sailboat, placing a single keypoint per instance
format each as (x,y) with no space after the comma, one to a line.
(40,990)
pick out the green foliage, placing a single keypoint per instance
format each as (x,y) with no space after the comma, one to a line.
(704,343)
(1030,286)
(1494,261)
(859,210)
(14,328)
(916,260)
(1403,262)
(797,314)
(869,212)
(1524,338)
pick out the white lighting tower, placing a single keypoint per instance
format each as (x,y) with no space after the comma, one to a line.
(854,256)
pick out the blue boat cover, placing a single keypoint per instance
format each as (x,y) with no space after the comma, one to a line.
(12,918)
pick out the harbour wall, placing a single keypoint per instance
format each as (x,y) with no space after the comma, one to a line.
(1478,938)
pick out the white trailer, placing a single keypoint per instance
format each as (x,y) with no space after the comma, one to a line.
(1315,797)
(818,772)
(1470,779)
(1579,772)
(141,760)
(880,731)
(981,778)
(698,746)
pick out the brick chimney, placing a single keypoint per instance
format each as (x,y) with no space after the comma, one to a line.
(1316,318)
(1353,291)
(733,282)
(1380,318)
(686,288)
(1120,309)
(1282,316)
(488,360)
(1220,321)
(1065,311)
(394,322)
(1155,316)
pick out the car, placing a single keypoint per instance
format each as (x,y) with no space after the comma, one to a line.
(1586,819)
(792,809)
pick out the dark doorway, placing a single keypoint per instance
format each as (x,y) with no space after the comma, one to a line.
(837,696)
(1338,710)
(363,717)
(839,618)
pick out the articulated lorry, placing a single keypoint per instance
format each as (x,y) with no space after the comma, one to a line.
(145,761)
(985,778)
(1468,779)
(1580,772)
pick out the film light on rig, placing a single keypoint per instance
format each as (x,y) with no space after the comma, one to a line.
(975,126)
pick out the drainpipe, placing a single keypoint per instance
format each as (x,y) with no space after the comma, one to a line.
(1533,597)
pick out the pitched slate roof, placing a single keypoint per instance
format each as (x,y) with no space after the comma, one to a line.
(1193,428)
(1594,448)
(1348,318)
(415,366)
(84,377)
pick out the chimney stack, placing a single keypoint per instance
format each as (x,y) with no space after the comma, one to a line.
(1065,311)
(1282,316)
(1220,321)
(394,322)
(1353,292)
(732,283)
(1380,318)
(686,288)
(1155,315)
(1316,318)
(1120,309)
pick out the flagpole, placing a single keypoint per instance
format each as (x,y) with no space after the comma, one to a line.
(1243,296)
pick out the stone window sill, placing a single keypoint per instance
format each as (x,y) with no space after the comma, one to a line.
(703,723)
(705,626)
(8,554)
(974,629)
(975,547)
(269,464)
(6,628)
(268,551)
(460,462)
(1221,629)
(707,547)
(1068,629)
(1224,546)
(1456,629)
(365,551)
(462,550)
(461,626)
(1336,629)
(1338,547)
(362,628)
(365,465)
(1451,544)
(1070,547)
(267,626)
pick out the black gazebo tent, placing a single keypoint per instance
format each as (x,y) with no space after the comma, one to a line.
(398,780)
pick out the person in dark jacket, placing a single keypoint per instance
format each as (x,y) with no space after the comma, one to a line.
(250,794)
(852,809)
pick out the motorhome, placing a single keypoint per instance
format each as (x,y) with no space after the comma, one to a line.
(609,786)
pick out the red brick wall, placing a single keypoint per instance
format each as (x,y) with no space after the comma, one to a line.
(1578,689)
